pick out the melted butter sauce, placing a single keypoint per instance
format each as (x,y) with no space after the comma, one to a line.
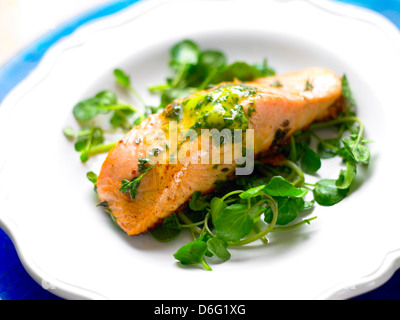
(218,109)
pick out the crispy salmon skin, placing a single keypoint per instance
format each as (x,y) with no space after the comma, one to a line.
(280,104)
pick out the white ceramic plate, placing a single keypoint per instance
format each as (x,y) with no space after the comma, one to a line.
(72,247)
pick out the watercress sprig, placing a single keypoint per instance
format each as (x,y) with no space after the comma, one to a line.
(88,141)
(194,69)
(234,219)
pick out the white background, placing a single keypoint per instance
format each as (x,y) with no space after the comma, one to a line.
(23,21)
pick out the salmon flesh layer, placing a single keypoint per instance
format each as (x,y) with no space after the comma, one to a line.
(280,104)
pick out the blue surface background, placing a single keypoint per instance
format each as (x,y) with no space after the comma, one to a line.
(15,282)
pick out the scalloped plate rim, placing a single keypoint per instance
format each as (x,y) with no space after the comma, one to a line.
(69,291)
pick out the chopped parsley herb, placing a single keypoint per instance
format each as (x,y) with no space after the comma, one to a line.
(250,111)
(277,84)
(309,86)
(132,186)
(143,165)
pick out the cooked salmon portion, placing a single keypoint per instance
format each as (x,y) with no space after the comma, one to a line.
(274,107)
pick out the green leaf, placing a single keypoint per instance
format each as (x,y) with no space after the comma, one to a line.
(238,70)
(288,209)
(205,237)
(218,248)
(171,94)
(193,253)
(266,70)
(345,154)
(325,151)
(106,98)
(251,193)
(280,187)
(88,138)
(122,78)
(198,202)
(89,108)
(347,92)
(86,110)
(347,176)
(326,193)
(97,136)
(92,177)
(233,223)
(123,118)
(212,59)
(168,230)
(185,52)
(310,162)
(255,213)
(217,205)
(296,151)
(308,204)
(358,151)
(69,133)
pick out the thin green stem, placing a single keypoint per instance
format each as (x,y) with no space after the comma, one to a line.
(191,225)
(85,132)
(127,125)
(323,142)
(360,135)
(137,95)
(205,265)
(326,124)
(343,120)
(260,235)
(293,152)
(124,106)
(101,149)
(180,75)
(258,204)
(231,194)
(300,173)
(89,142)
(309,184)
(207,80)
(230,201)
(294,226)
(206,227)
(257,229)
(186,220)
(159,87)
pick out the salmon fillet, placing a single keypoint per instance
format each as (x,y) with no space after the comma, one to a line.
(283,104)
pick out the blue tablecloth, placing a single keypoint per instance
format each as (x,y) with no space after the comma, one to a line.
(15,282)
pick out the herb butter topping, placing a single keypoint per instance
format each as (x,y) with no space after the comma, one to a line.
(218,109)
